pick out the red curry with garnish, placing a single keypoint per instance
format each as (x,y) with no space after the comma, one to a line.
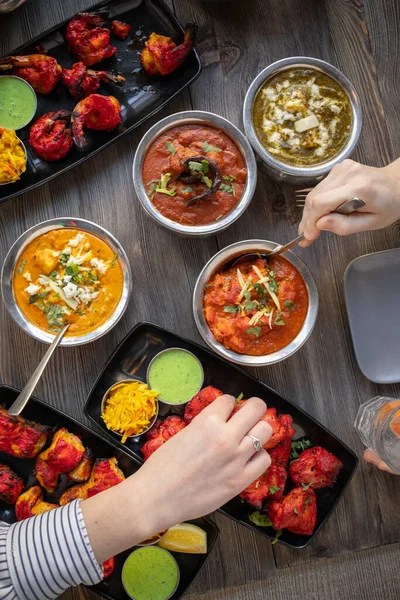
(163,167)
(256,307)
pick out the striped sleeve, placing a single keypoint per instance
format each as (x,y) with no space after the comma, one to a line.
(44,555)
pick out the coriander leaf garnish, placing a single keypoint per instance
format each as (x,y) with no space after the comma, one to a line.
(63,259)
(250,305)
(218,218)
(169,146)
(209,148)
(253,331)
(22,267)
(170,192)
(273,286)
(278,535)
(187,190)
(279,320)
(114,261)
(195,166)
(260,289)
(305,486)
(298,447)
(225,187)
(296,512)
(35,297)
(152,188)
(229,178)
(54,313)
(207,181)
(272,274)
(72,270)
(273,489)
(261,520)
(289,304)
(239,398)
(307,500)
(230,308)
(205,166)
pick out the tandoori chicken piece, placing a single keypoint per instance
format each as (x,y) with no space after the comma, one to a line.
(281,425)
(120,29)
(20,437)
(62,456)
(88,39)
(316,467)
(199,402)
(81,81)
(161,56)
(161,433)
(83,469)
(280,454)
(105,474)
(11,485)
(41,71)
(296,512)
(94,112)
(108,567)
(270,485)
(31,503)
(50,136)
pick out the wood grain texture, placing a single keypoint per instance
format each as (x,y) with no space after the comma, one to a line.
(237,40)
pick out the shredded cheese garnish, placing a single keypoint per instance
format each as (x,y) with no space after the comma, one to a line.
(270,292)
(270,318)
(130,408)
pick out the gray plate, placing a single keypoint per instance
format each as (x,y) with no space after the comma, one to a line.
(372,292)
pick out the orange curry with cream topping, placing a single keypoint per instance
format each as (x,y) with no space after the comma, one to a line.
(68,276)
(172,188)
(256,307)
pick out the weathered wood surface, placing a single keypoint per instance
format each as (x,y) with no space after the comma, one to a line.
(236,40)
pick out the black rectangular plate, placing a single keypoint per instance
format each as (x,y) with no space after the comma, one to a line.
(111,588)
(140,96)
(132,358)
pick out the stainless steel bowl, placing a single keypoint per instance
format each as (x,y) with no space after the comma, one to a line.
(171,350)
(105,398)
(24,149)
(11,260)
(214,264)
(204,118)
(289,173)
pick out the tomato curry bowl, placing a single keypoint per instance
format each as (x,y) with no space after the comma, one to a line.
(256,307)
(194,173)
(258,311)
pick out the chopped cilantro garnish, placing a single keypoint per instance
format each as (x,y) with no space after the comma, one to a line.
(72,270)
(260,289)
(305,486)
(208,182)
(63,259)
(230,308)
(22,267)
(187,190)
(261,520)
(273,489)
(250,305)
(240,397)
(279,320)
(298,447)
(209,148)
(33,299)
(296,512)
(253,331)
(169,146)
(195,166)
(273,286)
(229,178)
(205,166)
(225,187)
(54,315)
(219,217)
(170,192)
(272,274)
(307,500)
(114,260)
(288,304)
(278,535)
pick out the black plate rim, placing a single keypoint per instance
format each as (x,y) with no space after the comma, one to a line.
(115,446)
(36,39)
(203,348)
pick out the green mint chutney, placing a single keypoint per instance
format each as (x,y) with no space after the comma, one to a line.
(17,102)
(150,573)
(176,374)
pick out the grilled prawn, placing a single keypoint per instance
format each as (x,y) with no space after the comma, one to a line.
(161,56)
(94,112)
(50,136)
(41,71)
(88,39)
(81,81)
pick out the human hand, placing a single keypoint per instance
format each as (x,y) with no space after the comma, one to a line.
(202,467)
(378,188)
(370,457)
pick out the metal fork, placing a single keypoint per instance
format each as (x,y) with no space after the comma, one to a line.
(301,196)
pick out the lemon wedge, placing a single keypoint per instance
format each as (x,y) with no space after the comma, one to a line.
(185,537)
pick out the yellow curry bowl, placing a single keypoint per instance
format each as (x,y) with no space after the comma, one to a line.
(31,295)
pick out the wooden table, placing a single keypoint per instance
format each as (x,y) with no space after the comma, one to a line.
(356,555)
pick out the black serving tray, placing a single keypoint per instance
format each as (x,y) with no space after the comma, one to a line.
(111,588)
(140,96)
(132,358)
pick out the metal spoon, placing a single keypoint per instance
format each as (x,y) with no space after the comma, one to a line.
(19,404)
(345,208)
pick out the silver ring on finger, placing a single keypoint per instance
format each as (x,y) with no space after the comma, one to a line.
(256,442)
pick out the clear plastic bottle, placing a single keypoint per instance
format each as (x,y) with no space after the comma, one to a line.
(378,425)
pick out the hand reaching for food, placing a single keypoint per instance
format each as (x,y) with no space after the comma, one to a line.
(379,188)
(204,465)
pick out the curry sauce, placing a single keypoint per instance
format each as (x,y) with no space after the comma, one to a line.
(68,276)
